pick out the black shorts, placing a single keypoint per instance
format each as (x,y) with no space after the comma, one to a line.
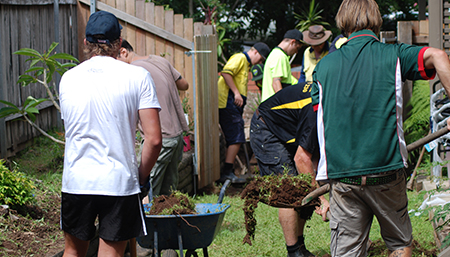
(273,156)
(120,217)
(231,121)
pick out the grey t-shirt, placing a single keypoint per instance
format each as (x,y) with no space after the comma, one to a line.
(164,75)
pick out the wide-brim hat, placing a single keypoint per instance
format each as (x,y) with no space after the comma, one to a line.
(316,35)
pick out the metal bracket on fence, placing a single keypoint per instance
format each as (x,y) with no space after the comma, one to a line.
(189,53)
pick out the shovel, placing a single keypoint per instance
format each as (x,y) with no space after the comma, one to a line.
(326,187)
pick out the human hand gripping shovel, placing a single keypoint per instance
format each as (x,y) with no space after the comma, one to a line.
(326,187)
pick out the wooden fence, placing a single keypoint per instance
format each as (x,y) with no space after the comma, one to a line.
(30,24)
(150,29)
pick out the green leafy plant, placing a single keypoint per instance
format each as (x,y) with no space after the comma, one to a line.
(441,217)
(310,17)
(15,188)
(41,71)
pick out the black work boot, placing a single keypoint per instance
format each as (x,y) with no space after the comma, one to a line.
(297,253)
(305,252)
(228,173)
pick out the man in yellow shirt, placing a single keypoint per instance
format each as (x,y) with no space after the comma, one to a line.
(232,99)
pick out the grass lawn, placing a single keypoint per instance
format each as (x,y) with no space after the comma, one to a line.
(269,239)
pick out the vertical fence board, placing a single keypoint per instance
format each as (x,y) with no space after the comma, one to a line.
(159,21)
(188,68)
(207,110)
(178,50)
(82,18)
(168,26)
(140,34)
(150,18)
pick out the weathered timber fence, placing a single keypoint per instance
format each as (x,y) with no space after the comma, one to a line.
(30,24)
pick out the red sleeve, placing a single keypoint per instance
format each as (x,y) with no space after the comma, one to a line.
(315,107)
(422,70)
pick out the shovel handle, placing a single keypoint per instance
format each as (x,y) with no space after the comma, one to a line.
(427,139)
(326,188)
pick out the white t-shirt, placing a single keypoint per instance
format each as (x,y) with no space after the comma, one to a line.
(100,99)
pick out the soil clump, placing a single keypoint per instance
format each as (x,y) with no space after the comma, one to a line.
(282,191)
(175,204)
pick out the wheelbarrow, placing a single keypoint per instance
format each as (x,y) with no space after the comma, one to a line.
(186,231)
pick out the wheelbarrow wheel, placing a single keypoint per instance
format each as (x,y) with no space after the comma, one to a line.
(169,253)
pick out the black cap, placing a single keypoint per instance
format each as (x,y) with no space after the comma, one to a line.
(294,34)
(262,49)
(102,23)
(257,72)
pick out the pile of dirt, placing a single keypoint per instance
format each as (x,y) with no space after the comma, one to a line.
(282,191)
(175,204)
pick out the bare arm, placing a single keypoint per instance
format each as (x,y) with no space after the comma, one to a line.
(305,165)
(152,144)
(237,95)
(182,84)
(276,84)
(437,59)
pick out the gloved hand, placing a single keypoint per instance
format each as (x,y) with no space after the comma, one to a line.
(144,190)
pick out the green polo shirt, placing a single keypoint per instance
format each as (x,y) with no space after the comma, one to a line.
(357,93)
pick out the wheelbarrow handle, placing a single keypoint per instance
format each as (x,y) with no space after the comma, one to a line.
(326,188)
(223,189)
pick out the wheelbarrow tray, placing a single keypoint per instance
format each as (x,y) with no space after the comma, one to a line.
(197,230)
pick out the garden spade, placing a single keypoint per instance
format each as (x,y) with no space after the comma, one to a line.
(326,187)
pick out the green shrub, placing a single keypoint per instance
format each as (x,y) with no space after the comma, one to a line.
(15,188)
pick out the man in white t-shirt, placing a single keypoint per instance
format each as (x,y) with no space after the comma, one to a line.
(102,99)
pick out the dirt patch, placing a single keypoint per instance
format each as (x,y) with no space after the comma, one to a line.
(278,191)
(32,230)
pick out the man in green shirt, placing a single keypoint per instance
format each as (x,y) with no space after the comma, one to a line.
(357,93)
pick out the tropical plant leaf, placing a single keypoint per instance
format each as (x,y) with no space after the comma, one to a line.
(51,48)
(32,110)
(34,69)
(9,104)
(26,79)
(64,56)
(6,111)
(28,52)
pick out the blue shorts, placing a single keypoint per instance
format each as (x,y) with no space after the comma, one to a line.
(120,217)
(231,121)
(273,156)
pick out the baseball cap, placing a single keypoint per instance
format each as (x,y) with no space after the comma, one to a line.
(257,72)
(294,34)
(102,23)
(262,49)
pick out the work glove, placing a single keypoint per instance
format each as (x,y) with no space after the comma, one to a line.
(144,190)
